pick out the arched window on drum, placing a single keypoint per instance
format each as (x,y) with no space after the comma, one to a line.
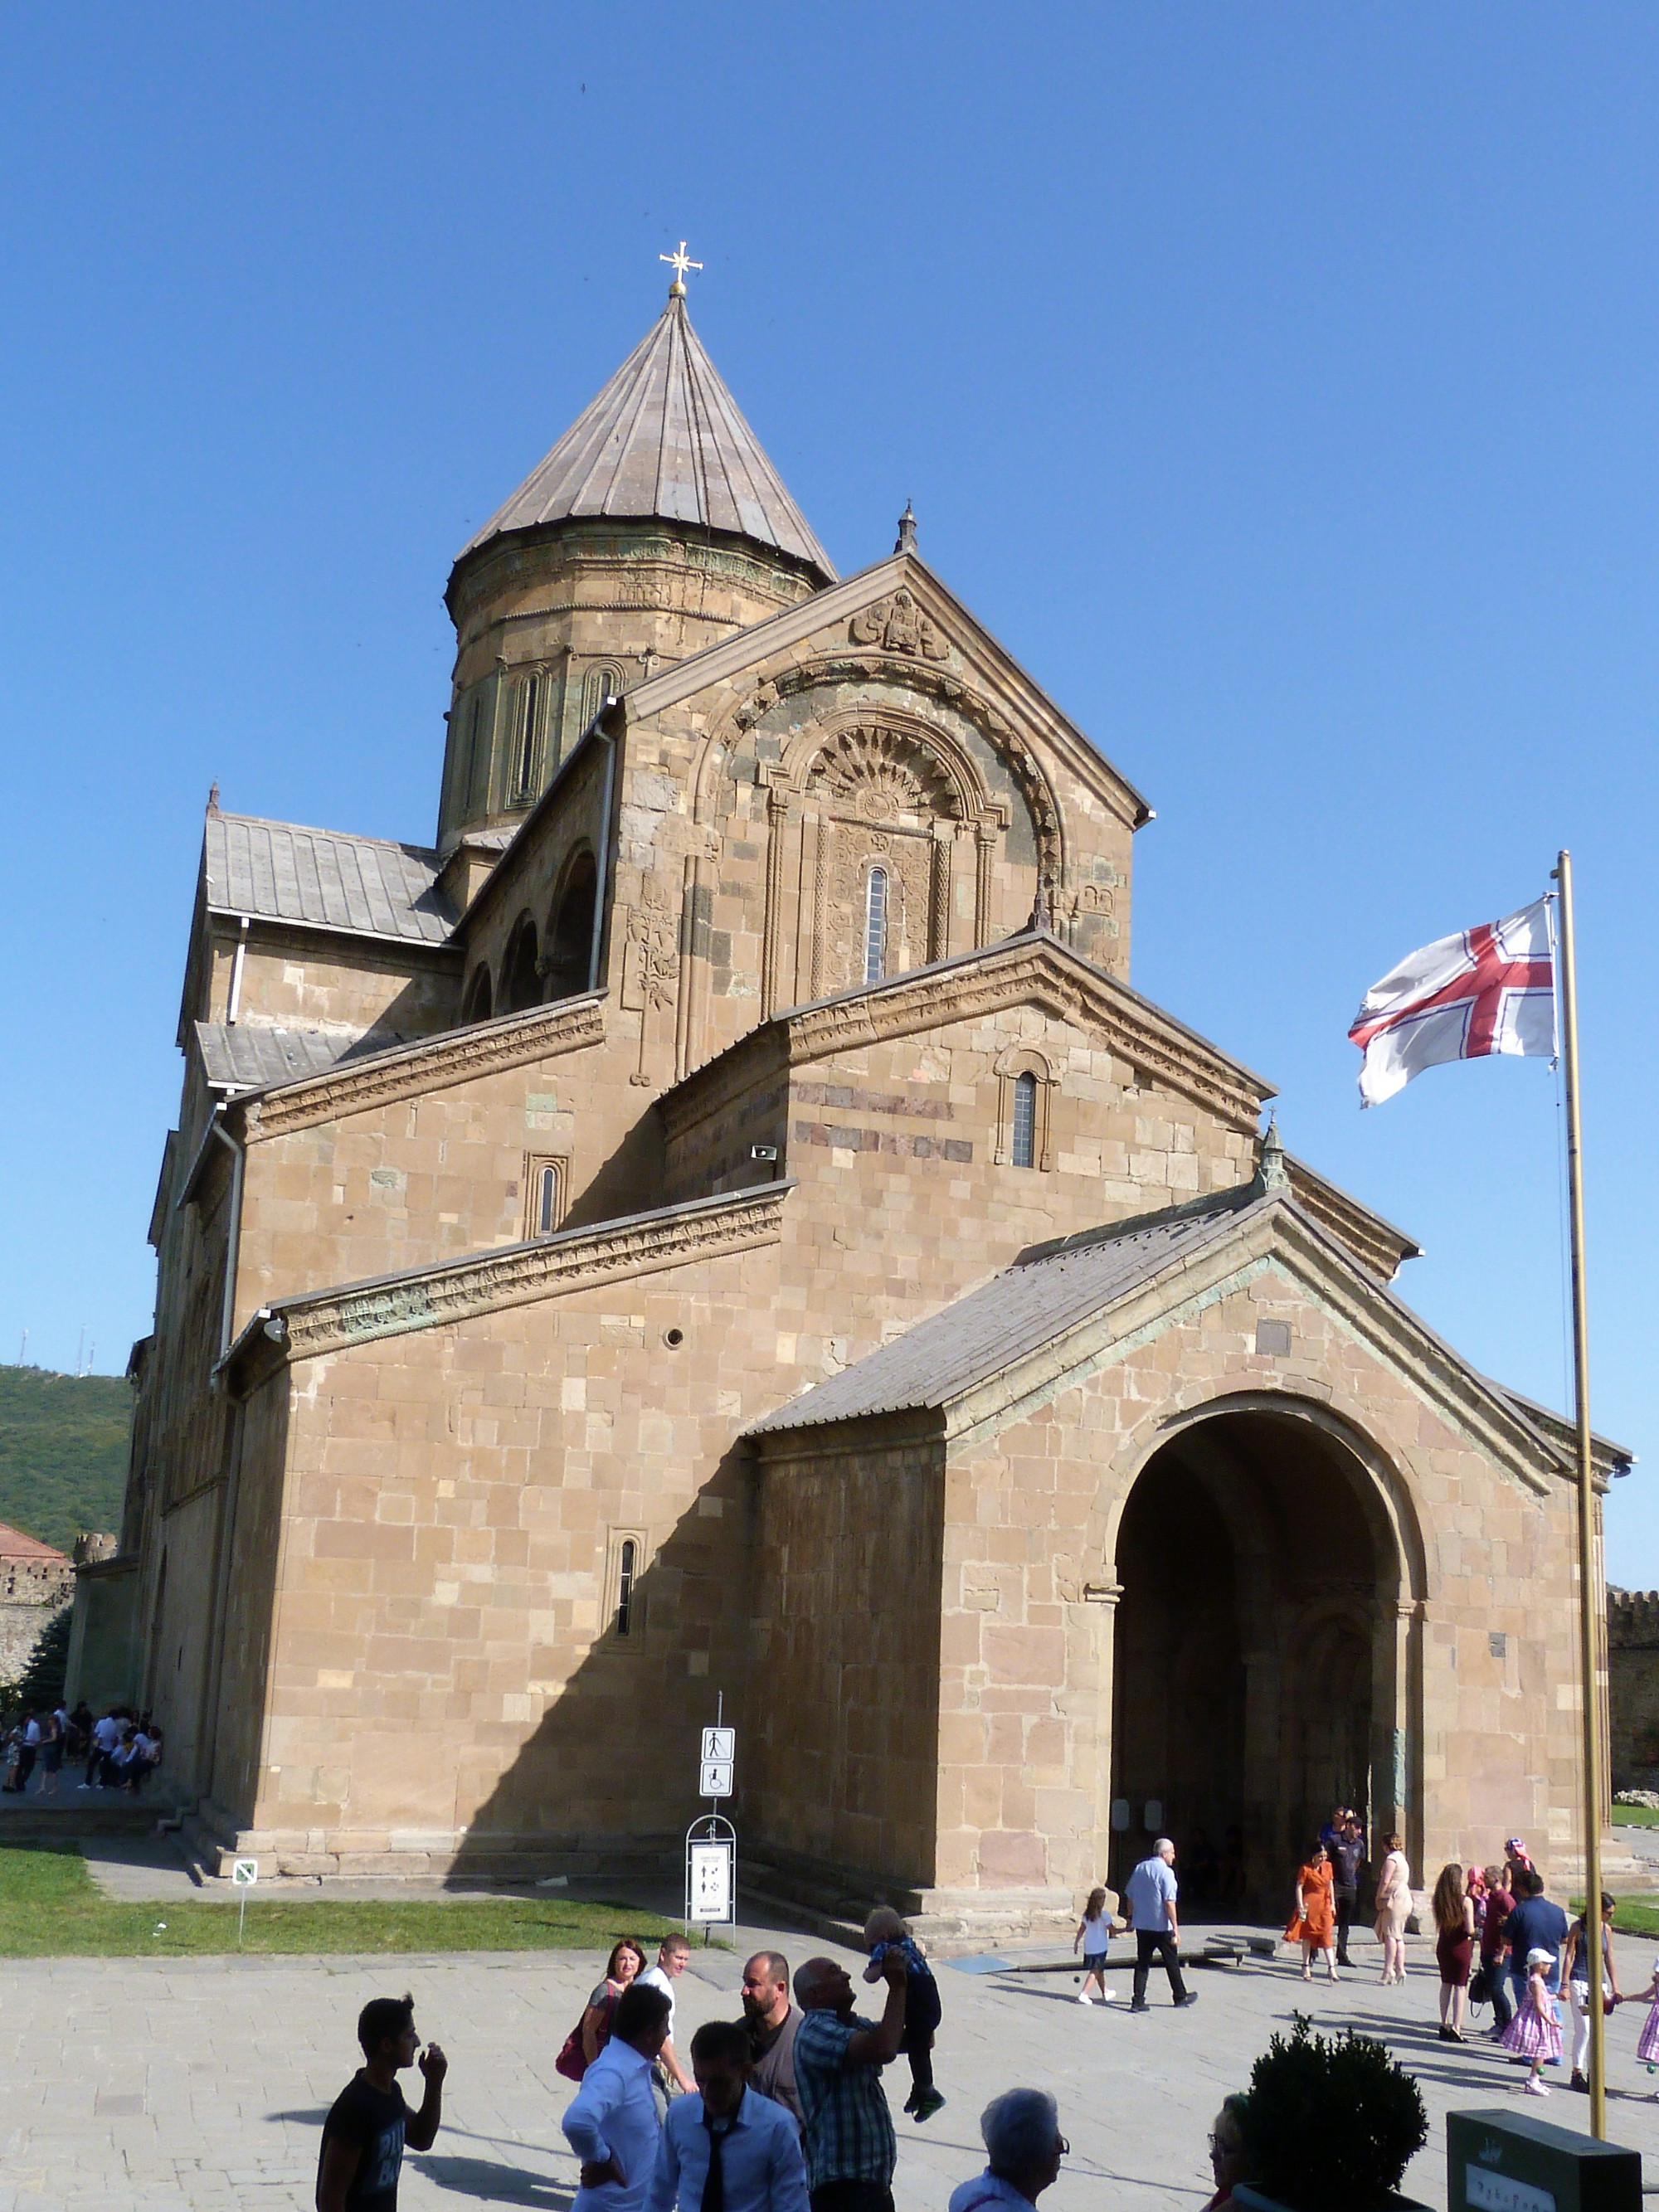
(1023,1136)
(875,925)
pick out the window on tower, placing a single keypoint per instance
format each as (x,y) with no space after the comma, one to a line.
(599,684)
(1023,1137)
(875,926)
(523,762)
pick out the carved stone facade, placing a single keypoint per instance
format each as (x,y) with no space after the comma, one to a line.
(800,965)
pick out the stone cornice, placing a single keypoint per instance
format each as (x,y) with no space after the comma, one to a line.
(1021,694)
(321,1322)
(1377,1243)
(1273,1234)
(1032,969)
(435,1064)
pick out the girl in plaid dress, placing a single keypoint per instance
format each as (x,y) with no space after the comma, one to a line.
(1535,2032)
(1647,2044)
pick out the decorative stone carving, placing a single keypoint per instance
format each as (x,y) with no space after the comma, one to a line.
(413,1071)
(650,963)
(898,625)
(548,1268)
(882,773)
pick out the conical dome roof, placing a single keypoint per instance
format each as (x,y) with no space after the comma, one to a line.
(664,438)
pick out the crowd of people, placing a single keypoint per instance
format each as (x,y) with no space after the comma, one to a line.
(120,1749)
(780,2110)
(783,2110)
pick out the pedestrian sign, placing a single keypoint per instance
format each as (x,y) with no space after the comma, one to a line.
(718,1743)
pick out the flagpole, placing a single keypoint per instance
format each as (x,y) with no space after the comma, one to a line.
(1589,1628)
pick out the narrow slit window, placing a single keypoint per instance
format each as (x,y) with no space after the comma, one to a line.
(532,689)
(627,1566)
(1024,1134)
(546,1201)
(875,926)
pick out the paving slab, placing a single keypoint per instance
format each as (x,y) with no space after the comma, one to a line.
(202,2083)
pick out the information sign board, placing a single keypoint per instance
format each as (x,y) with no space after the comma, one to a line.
(709,1885)
(719,1743)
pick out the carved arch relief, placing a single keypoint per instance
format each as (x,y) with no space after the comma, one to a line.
(879,838)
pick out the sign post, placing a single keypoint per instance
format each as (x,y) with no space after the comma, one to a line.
(711,1841)
(244,1873)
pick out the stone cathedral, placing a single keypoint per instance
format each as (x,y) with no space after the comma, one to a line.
(720,1221)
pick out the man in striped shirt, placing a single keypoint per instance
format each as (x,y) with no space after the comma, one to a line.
(847,2129)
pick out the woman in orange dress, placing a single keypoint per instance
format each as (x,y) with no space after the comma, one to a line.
(1313,1925)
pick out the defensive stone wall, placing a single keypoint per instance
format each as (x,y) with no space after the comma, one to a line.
(1633,1686)
(34,1591)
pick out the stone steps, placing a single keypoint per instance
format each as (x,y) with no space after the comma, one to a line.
(66,1819)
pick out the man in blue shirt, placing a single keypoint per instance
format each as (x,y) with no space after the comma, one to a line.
(727,2147)
(611,2121)
(1149,1900)
(1535,1924)
(847,2127)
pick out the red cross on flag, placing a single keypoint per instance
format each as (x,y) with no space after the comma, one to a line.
(1487,989)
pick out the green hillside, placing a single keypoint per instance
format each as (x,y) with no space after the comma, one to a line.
(63,1452)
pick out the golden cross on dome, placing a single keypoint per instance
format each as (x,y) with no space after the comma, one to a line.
(679,264)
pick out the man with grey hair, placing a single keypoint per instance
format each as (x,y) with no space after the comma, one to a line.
(1023,2147)
(1149,1900)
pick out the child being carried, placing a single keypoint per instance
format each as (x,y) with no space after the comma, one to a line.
(884,1931)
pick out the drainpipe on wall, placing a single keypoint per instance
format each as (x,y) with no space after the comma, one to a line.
(604,853)
(234,1006)
(233,1228)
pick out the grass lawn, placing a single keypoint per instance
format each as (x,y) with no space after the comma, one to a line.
(50,1907)
(1635,1816)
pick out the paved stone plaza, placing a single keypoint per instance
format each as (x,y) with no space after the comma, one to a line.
(137,2087)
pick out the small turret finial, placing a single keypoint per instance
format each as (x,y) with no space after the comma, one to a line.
(1271,1171)
(1040,918)
(213,798)
(678,262)
(906,536)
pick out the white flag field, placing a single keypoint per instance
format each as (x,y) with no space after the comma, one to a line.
(1488,990)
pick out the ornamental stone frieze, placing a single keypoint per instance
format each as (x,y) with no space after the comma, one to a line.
(522,1274)
(436,1063)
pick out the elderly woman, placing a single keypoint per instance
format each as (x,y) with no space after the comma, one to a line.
(1227,2159)
(1023,2147)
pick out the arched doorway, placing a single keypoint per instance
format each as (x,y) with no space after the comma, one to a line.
(1257,1655)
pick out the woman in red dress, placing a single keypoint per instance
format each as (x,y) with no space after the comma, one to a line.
(1454,1947)
(1313,1924)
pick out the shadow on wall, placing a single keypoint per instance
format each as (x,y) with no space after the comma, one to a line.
(607,1783)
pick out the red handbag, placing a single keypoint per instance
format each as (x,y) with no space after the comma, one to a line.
(572,2061)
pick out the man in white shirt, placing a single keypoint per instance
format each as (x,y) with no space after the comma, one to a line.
(727,2145)
(611,2121)
(671,1954)
(1149,1898)
(105,1735)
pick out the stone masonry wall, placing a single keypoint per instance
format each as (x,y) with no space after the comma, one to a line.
(32,1593)
(1633,1686)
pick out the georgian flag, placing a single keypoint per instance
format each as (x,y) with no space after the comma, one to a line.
(1488,990)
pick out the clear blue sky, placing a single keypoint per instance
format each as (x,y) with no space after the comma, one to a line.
(1277,382)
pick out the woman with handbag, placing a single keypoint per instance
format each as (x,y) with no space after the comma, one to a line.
(1576,1975)
(592,2031)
